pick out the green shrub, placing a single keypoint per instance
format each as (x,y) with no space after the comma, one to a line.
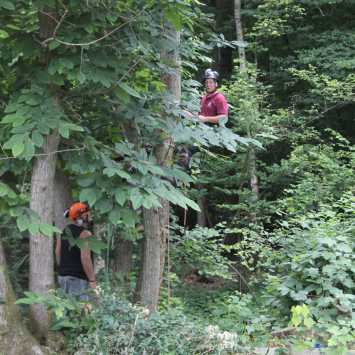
(315,266)
(122,328)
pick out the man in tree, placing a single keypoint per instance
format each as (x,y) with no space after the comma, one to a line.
(73,255)
(214,106)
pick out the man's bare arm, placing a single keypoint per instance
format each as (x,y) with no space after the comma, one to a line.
(58,249)
(86,260)
(211,119)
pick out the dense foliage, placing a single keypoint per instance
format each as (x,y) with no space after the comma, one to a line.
(282,258)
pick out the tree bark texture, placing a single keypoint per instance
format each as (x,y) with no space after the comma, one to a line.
(42,185)
(124,250)
(254,184)
(156,220)
(41,247)
(15,338)
(150,286)
(202,217)
(123,257)
(239,32)
(62,198)
(224,60)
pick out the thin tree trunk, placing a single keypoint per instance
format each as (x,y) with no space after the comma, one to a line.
(41,247)
(203,218)
(240,37)
(224,58)
(149,295)
(15,339)
(123,257)
(156,220)
(124,250)
(42,185)
(141,254)
(254,184)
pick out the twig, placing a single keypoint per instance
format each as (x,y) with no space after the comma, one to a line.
(283,332)
(133,331)
(49,15)
(342,310)
(59,23)
(241,276)
(129,70)
(50,153)
(96,40)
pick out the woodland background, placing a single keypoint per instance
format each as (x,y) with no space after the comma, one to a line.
(251,245)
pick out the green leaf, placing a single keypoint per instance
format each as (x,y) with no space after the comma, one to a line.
(46,229)
(64,131)
(37,139)
(121,196)
(22,222)
(29,150)
(129,90)
(136,198)
(6,191)
(6,4)
(104,205)
(128,217)
(91,195)
(151,201)
(96,245)
(123,174)
(3,189)
(17,149)
(174,17)
(114,216)
(109,172)
(3,34)
(86,181)
(34,228)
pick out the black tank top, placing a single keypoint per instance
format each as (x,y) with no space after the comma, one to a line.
(70,260)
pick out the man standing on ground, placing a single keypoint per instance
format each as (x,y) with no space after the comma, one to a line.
(76,270)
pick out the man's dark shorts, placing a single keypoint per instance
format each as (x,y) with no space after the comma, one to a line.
(74,286)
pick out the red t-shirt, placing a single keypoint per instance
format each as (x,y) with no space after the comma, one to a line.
(214,104)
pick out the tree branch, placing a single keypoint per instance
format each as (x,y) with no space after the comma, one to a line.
(53,38)
(50,153)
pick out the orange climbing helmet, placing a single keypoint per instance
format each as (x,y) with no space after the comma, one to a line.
(75,210)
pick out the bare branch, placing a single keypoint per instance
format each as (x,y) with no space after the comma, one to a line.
(46,154)
(53,38)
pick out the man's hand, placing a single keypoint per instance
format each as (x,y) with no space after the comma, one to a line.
(92,284)
(202,118)
(188,114)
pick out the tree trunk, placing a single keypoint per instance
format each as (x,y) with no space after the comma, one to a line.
(42,185)
(224,60)
(62,198)
(203,218)
(254,184)
(15,339)
(240,37)
(150,286)
(156,220)
(123,257)
(124,250)
(41,247)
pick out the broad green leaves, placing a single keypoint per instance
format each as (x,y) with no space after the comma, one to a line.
(6,4)
(32,115)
